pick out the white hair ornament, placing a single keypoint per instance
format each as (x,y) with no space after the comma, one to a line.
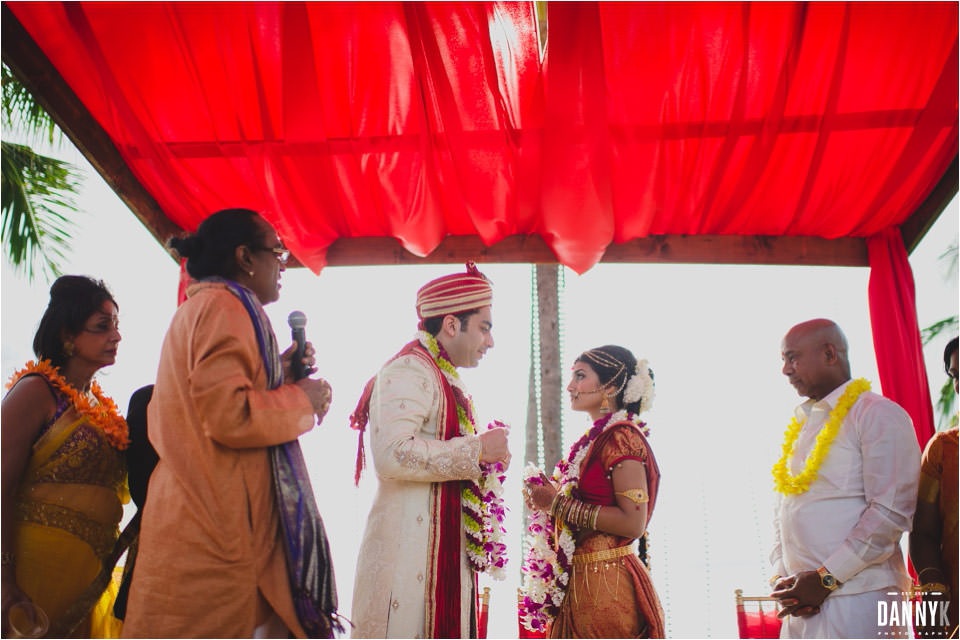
(640,387)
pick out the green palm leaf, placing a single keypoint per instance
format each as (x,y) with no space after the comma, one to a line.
(37,199)
(21,110)
(946,415)
(38,191)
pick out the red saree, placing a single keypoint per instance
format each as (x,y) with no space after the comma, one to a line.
(610,594)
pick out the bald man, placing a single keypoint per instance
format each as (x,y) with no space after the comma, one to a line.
(839,571)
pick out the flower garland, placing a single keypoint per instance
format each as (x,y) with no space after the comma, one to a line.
(546,568)
(103,414)
(481,501)
(788,484)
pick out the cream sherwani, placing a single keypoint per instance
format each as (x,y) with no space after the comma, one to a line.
(852,517)
(389,598)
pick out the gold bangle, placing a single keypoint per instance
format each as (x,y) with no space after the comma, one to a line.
(563,505)
(934,587)
(572,504)
(596,514)
(923,571)
(585,513)
(576,511)
(557,498)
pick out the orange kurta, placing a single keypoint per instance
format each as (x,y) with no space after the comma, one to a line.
(211,560)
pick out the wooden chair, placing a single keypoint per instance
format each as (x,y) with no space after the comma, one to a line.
(760,623)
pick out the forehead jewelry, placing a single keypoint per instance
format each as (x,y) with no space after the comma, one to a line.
(604,360)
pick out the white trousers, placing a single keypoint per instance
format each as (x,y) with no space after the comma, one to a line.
(850,616)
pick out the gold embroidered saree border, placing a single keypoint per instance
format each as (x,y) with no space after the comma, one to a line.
(101,537)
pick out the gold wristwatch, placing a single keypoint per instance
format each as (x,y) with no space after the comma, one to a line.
(827,579)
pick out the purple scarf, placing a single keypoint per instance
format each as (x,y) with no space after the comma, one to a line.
(309,566)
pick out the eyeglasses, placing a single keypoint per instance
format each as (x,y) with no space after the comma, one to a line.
(280,253)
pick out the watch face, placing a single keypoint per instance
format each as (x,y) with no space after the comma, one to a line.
(828,581)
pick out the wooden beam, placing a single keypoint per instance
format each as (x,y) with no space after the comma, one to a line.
(706,249)
(32,67)
(916,226)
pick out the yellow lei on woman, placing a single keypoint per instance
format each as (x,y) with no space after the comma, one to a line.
(789,484)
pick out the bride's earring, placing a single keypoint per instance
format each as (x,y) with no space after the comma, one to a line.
(605,405)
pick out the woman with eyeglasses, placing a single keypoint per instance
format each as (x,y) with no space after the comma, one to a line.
(64,477)
(212,558)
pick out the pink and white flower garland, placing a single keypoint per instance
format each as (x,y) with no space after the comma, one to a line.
(546,568)
(481,501)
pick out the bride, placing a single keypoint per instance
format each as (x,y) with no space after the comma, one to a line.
(582,578)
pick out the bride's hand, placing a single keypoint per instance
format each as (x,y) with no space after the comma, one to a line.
(539,497)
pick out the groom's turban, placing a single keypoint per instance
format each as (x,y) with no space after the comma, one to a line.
(454,294)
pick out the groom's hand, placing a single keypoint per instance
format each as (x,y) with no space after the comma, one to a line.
(493,446)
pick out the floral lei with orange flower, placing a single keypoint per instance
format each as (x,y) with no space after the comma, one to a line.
(103,414)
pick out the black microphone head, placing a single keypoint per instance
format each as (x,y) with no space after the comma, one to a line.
(297,320)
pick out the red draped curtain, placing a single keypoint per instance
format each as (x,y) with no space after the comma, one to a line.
(423,120)
(896,332)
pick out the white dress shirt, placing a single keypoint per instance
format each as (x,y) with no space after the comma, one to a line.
(861,502)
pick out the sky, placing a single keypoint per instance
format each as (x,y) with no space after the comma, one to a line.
(711,334)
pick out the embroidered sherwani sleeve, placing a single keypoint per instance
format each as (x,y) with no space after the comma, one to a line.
(891,467)
(405,400)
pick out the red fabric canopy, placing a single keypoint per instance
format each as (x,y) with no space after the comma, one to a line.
(421,120)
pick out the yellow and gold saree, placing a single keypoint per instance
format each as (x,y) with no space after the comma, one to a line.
(69,504)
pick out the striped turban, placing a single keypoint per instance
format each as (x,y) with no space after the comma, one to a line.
(454,294)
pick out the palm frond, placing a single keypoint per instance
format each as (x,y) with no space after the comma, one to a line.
(20,109)
(945,406)
(927,334)
(949,258)
(37,200)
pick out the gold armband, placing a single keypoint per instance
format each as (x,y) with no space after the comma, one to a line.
(637,496)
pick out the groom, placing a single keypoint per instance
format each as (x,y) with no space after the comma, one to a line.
(414,578)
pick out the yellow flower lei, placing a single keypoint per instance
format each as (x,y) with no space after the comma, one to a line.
(788,484)
(103,414)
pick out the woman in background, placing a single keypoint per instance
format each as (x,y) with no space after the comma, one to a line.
(582,578)
(64,478)
(211,560)
(933,538)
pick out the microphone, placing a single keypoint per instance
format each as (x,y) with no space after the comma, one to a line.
(297,321)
